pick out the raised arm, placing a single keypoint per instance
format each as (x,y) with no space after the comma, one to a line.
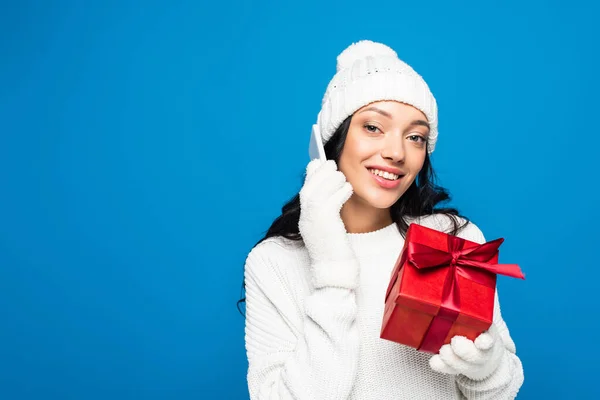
(301,334)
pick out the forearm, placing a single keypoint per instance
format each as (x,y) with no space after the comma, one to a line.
(316,361)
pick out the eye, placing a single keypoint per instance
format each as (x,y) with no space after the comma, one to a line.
(417,138)
(371,128)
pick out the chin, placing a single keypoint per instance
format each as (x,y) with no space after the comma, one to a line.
(381,201)
(383,204)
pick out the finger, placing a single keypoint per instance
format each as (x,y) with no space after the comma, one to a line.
(317,164)
(324,184)
(484,342)
(312,167)
(341,196)
(466,350)
(437,364)
(508,342)
(502,334)
(458,364)
(318,174)
(317,168)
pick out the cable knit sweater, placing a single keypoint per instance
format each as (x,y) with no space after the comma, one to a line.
(307,343)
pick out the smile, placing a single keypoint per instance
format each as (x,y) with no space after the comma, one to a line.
(385,179)
(385,175)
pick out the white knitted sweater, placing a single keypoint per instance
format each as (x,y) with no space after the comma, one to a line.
(307,343)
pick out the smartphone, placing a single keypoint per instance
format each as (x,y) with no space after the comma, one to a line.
(315,147)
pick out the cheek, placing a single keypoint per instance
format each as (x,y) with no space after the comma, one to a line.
(406,184)
(356,150)
(351,161)
(417,162)
(363,149)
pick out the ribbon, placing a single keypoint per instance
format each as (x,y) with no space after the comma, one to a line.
(469,263)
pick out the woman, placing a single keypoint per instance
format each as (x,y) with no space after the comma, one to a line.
(315,284)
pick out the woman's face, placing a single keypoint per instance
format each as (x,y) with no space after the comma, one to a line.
(384,151)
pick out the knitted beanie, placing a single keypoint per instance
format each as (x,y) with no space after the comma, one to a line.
(368,72)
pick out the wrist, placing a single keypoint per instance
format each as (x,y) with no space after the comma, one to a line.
(341,273)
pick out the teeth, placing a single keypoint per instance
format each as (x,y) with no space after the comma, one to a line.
(383,174)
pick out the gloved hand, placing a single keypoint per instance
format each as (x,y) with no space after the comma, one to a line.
(474,359)
(322,196)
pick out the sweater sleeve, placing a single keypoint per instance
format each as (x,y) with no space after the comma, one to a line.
(506,381)
(294,354)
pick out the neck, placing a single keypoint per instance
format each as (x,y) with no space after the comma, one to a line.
(360,217)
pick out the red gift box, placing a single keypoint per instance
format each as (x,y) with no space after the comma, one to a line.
(441,286)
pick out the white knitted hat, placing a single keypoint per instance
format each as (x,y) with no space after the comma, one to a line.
(368,72)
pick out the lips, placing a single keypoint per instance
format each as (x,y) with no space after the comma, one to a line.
(386,183)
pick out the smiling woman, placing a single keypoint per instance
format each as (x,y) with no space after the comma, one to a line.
(315,283)
(385,148)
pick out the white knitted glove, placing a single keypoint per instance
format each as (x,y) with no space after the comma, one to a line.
(474,359)
(322,196)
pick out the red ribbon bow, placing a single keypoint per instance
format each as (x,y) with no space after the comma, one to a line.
(470,263)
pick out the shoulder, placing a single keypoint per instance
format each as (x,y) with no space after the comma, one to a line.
(275,248)
(443,223)
(275,257)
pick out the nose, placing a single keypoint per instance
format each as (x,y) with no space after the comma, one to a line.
(393,148)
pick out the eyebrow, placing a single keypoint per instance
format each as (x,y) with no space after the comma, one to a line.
(377,110)
(419,122)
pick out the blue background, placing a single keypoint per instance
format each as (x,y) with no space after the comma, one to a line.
(146,146)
